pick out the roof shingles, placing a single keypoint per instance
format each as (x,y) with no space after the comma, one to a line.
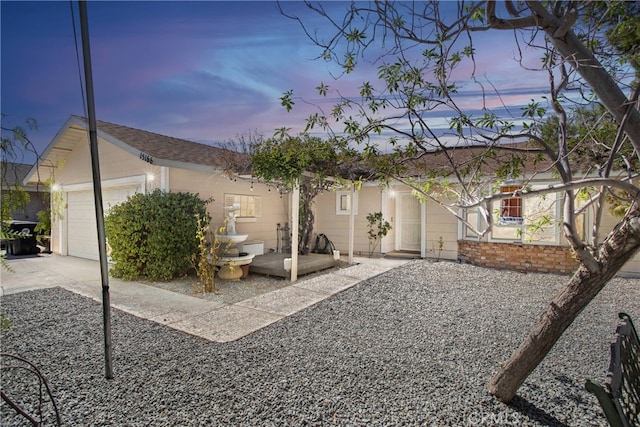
(166,147)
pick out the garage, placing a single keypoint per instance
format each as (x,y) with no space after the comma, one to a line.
(82,234)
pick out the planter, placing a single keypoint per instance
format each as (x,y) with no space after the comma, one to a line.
(230,272)
(245,270)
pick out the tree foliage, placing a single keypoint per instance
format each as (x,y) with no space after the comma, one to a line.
(14,146)
(310,162)
(585,129)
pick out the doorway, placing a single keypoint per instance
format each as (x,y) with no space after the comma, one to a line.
(409,223)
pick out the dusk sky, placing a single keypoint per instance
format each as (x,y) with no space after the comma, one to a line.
(202,71)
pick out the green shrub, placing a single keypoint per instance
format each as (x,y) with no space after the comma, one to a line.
(154,235)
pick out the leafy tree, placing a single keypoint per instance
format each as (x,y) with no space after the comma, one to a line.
(306,161)
(14,145)
(427,55)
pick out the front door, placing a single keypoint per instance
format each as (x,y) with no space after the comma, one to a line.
(409,224)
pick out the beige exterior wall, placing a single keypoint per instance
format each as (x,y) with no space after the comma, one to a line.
(117,164)
(117,167)
(439,223)
(114,163)
(274,208)
(553,235)
(442,226)
(336,227)
(632,267)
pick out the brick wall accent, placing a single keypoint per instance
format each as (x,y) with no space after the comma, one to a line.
(517,256)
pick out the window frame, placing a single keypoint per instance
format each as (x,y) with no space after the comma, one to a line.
(512,205)
(344,203)
(243,200)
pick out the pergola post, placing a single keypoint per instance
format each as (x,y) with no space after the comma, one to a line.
(352,222)
(295,209)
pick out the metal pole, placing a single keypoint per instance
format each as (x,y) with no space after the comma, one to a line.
(97,188)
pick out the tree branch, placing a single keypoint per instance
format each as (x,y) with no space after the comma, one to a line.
(506,24)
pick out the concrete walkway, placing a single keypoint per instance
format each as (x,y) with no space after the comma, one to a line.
(214,321)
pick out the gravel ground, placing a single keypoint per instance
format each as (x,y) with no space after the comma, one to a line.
(414,346)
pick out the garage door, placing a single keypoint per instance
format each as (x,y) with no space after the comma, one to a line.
(82,234)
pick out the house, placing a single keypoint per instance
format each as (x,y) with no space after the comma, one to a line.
(13,174)
(428,230)
(132,160)
(136,161)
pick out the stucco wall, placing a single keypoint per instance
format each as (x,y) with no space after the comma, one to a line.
(336,227)
(274,208)
(608,223)
(441,224)
(114,163)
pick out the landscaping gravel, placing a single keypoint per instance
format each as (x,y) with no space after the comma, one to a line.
(414,346)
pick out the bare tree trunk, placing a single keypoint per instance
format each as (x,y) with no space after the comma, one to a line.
(574,51)
(307,218)
(621,244)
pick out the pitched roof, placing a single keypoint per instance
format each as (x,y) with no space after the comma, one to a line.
(489,159)
(160,150)
(162,147)
(13,174)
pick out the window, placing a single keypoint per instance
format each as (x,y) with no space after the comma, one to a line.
(250,206)
(532,220)
(344,203)
(511,208)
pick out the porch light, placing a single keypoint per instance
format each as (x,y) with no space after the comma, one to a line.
(150,177)
(56,187)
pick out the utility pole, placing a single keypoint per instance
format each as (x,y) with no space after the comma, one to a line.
(97,188)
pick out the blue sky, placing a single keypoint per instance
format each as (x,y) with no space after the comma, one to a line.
(203,71)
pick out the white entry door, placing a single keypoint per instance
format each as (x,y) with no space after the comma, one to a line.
(410,224)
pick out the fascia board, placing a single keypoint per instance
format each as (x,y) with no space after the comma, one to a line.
(72,120)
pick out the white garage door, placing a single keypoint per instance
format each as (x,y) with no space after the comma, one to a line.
(82,234)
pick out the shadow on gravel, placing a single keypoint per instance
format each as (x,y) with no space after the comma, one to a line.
(534,413)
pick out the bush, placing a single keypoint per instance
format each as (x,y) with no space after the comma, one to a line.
(154,235)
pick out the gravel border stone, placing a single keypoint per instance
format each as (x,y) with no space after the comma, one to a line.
(413,346)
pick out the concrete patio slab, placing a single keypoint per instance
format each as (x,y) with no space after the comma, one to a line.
(330,283)
(362,271)
(182,306)
(226,324)
(285,301)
